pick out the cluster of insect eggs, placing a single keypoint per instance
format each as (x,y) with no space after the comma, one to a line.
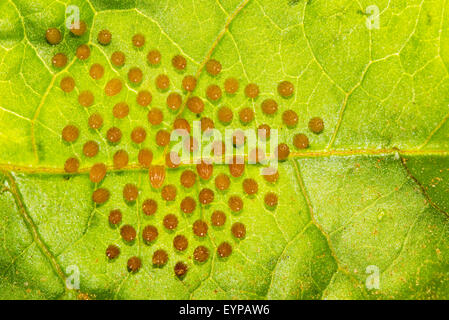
(174,101)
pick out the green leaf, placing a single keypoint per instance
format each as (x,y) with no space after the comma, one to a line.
(368,198)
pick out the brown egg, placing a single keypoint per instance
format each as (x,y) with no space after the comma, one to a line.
(118,58)
(170,221)
(300,141)
(206,124)
(130,192)
(86,98)
(269,106)
(180,243)
(174,101)
(231,85)
(160,258)
(90,149)
(71,165)
(100,196)
(112,252)
(149,207)
(204,170)
(271,175)
(271,199)
(282,152)
(113,87)
(180,269)
(218,218)
(222,182)
(120,110)
(59,60)
(246,115)
(238,230)
(235,203)
(115,217)
(252,90)
(200,228)
(201,254)
(135,75)
(95,121)
(104,37)
(225,115)
(316,125)
(114,135)
(67,84)
(144,98)
(237,166)
(195,104)
(224,250)
(157,176)
(264,131)
(120,159)
(188,178)
(155,116)
(83,52)
(53,36)
(206,196)
(96,71)
(188,205)
(250,186)
(286,89)
(162,82)
(145,157)
(213,92)
(179,62)
(213,67)
(138,40)
(168,192)
(70,133)
(138,135)
(162,138)
(149,234)
(189,83)
(97,172)
(134,264)
(290,118)
(80,29)
(154,57)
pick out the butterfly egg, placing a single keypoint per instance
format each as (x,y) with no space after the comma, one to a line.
(95,121)
(83,52)
(154,57)
(282,151)
(128,233)
(174,101)
(188,205)
(218,218)
(195,104)
(180,243)
(112,252)
(130,192)
(191,144)
(235,203)
(120,159)
(59,60)
(162,82)
(237,166)
(213,67)
(155,116)
(53,36)
(238,138)
(149,234)
(157,176)
(115,217)
(206,196)
(90,149)
(264,131)
(135,75)
(181,125)
(104,37)
(149,207)
(286,89)
(96,71)
(70,133)
(134,264)
(71,165)
(170,222)
(179,62)
(188,178)
(256,155)
(78,30)
(201,254)
(67,84)
(144,98)
(316,125)
(100,196)
(271,199)
(222,182)
(252,91)
(225,115)
(204,170)
(118,58)
(238,230)
(180,269)
(300,141)
(138,40)
(218,148)
(97,172)
(269,106)
(138,135)
(206,124)
(145,157)
(200,228)
(86,98)
(172,160)
(113,87)
(120,110)
(231,85)
(213,92)
(246,115)
(290,118)
(189,83)
(114,135)
(250,186)
(271,175)
(160,258)
(224,250)
(168,192)
(162,138)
